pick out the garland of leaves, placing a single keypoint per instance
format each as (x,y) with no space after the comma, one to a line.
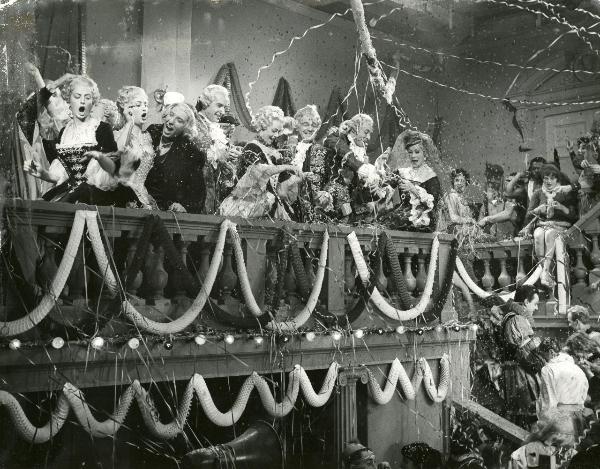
(406,300)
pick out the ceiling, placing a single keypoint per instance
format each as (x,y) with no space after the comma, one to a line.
(447,23)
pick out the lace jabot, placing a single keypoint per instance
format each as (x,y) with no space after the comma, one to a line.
(80,133)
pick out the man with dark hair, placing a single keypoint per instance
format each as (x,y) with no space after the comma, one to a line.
(420,455)
(521,361)
(579,321)
(526,183)
(358,456)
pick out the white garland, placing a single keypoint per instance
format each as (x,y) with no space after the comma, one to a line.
(377,298)
(31,319)
(194,310)
(72,398)
(480,292)
(561,275)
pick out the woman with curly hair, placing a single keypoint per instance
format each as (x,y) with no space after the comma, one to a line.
(348,166)
(84,167)
(457,216)
(309,156)
(176,180)
(221,157)
(418,186)
(132,105)
(258,191)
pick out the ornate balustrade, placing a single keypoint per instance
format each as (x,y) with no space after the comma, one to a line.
(282,264)
(501,265)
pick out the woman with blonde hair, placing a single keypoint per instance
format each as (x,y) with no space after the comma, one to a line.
(176,180)
(84,166)
(258,192)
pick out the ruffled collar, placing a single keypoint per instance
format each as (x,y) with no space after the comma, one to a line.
(421,174)
(360,153)
(82,133)
(300,156)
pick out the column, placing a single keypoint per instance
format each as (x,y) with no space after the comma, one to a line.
(345,416)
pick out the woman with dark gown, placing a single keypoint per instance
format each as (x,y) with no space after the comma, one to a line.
(84,165)
(176,180)
(418,188)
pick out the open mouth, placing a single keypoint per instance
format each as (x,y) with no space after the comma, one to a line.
(81,108)
(144,115)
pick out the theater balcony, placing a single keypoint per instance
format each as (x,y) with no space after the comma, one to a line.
(497,267)
(100,298)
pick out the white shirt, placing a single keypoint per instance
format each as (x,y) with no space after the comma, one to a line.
(563,382)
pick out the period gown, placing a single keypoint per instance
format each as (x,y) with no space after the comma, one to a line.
(79,181)
(177,175)
(256,193)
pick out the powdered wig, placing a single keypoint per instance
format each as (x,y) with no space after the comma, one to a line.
(358,121)
(309,111)
(81,79)
(209,94)
(190,129)
(265,116)
(128,94)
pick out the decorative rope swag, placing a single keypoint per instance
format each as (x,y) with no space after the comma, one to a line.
(73,399)
(558,251)
(194,310)
(377,298)
(34,317)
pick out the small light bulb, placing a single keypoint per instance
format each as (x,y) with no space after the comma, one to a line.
(229,339)
(456,328)
(310,336)
(133,343)
(200,339)
(359,333)
(14,344)
(400,330)
(258,339)
(97,343)
(420,331)
(438,329)
(380,331)
(168,345)
(58,343)
(336,335)
(474,327)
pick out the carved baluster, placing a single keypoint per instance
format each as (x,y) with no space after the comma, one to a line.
(228,279)
(520,277)
(503,277)
(157,277)
(595,253)
(47,268)
(177,278)
(421,273)
(487,281)
(308,267)
(135,283)
(290,283)
(204,262)
(381,279)
(579,271)
(594,258)
(411,281)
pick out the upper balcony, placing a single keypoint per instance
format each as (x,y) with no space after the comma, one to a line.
(198,290)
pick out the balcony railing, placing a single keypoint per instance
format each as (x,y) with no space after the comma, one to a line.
(279,260)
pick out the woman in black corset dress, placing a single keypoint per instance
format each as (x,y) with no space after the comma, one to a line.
(84,165)
(176,180)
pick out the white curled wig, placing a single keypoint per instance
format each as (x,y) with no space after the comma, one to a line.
(127,94)
(209,94)
(265,116)
(357,121)
(87,81)
(309,111)
(190,129)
